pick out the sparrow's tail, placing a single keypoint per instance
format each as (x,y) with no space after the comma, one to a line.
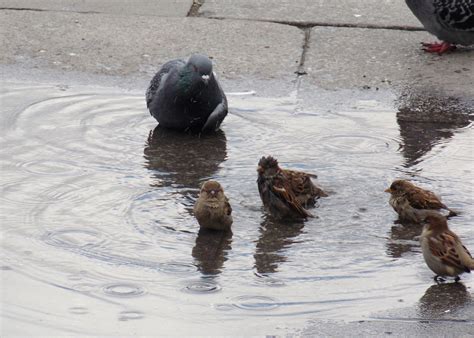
(452,213)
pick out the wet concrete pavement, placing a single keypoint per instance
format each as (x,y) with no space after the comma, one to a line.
(290,48)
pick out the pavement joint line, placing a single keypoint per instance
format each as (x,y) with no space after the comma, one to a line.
(300,72)
(307,36)
(195,7)
(194,10)
(323,24)
(47,10)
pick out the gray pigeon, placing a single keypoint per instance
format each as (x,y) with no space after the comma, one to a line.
(452,21)
(186,96)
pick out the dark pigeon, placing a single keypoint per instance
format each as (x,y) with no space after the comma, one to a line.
(186,96)
(452,21)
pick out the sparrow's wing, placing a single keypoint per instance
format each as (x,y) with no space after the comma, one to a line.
(284,191)
(424,199)
(448,248)
(302,184)
(298,181)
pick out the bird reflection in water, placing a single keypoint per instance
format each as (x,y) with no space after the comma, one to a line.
(275,236)
(427,119)
(444,299)
(404,237)
(211,249)
(183,160)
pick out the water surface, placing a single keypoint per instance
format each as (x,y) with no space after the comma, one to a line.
(98,235)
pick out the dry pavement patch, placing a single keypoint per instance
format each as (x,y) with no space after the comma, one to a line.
(336,12)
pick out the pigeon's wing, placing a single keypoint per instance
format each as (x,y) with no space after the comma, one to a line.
(160,78)
(219,113)
(455,14)
(283,190)
(448,248)
(214,120)
(424,199)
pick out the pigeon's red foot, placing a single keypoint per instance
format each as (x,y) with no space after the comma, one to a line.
(438,47)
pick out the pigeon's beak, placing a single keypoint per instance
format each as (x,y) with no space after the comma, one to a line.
(205,78)
(260,170)
(388,190)
(213,193)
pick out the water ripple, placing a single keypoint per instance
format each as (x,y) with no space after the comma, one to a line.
(99,203)
(123,290)
(130,315)
(255,303)
(78,310)
(74,238)
(202,287)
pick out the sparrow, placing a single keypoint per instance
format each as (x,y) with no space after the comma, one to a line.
(442,249)
(407,200)
(212,209)
(285,193)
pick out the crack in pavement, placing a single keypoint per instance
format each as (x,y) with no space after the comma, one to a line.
(195,7)
(311,24)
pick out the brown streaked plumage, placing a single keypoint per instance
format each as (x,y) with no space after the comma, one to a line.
(212,209)
(408,200)
(443,251)
(285,193)
(305,190)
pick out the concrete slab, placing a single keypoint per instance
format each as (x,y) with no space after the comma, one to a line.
(125,46)
(387,328)
(373,60)
(341,12)
(165,8)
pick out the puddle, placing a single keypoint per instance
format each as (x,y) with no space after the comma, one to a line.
(102,200)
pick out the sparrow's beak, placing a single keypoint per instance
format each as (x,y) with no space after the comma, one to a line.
(205,78)
(260,170)
(213,192)
(388,190)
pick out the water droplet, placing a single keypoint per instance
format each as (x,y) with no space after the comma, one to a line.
(84,287)
(224,307)
(356,144)
(74,277)
(123,290)
(257,303)
(78,310)
(202,287)
(130,315)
